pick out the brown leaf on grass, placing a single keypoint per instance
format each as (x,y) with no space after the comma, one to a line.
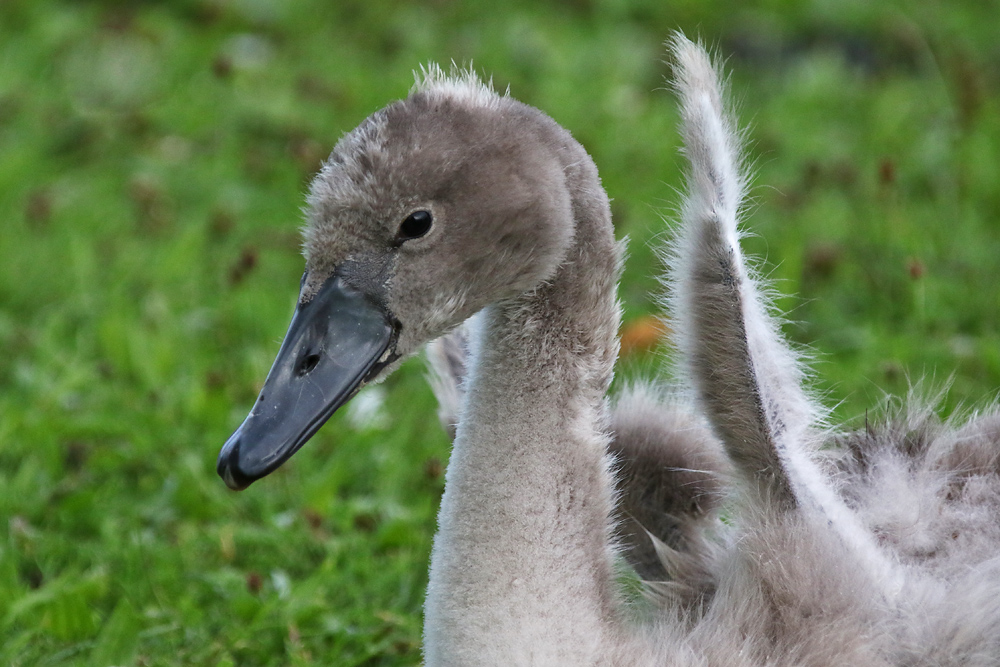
(642,334)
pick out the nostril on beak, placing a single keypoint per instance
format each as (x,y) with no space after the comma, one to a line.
(307,364)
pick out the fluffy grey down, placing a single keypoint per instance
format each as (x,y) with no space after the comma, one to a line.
(875,547)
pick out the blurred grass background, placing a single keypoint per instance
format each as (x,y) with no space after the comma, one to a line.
(153,160)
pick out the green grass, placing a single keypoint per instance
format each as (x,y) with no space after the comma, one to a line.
(153,158)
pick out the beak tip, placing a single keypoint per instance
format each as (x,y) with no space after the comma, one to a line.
(228,467)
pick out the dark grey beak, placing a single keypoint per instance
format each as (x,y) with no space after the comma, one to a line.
(337,341)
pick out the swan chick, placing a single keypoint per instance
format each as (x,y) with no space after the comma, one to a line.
(452,202)
(458,202)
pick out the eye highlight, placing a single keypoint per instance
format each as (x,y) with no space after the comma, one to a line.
(415,225)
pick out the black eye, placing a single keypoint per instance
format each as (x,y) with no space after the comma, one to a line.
(416,225)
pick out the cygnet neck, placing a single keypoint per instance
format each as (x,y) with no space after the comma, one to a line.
(521,561)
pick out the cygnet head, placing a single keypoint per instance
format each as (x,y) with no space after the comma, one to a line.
(432,208)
